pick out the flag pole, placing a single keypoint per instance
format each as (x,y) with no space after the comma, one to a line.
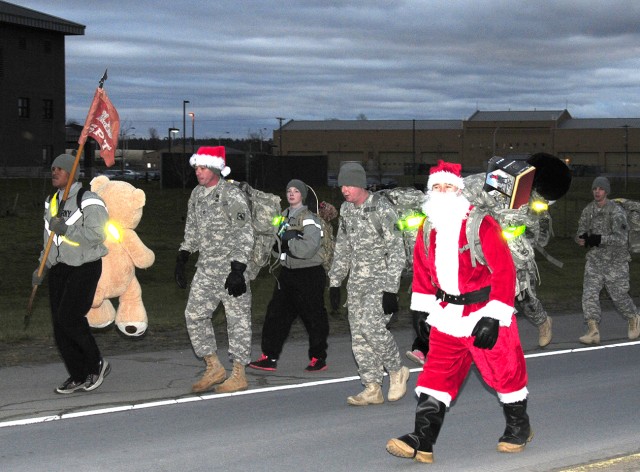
(76,163)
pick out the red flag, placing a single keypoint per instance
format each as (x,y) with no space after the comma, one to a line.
(103,125)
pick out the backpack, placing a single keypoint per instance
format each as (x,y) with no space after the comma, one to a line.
(327,241)
(407,203)
(264,207)
(632,209)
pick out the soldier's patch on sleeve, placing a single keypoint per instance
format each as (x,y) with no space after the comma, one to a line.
(241,216)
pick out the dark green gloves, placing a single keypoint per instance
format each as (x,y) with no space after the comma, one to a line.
(58,226)
(334,298)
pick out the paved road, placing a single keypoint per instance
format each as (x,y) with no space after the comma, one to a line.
(583,406)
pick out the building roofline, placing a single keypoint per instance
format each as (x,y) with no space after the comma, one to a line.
(21,16)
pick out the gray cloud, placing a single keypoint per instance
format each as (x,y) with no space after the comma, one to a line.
(241,64)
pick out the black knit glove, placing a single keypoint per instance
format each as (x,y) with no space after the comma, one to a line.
(37,280)
(389,303)
(593,240)
(181,261)
(334,298)
(420,325)
(235,283)
(58,226)
(486,333)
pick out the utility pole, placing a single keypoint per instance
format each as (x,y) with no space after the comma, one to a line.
(626,156)
(280,119)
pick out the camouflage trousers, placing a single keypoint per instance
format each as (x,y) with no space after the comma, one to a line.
(531,307)
(614,276)
(374,347)
(205,295)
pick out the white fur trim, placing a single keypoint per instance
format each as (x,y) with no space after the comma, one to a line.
(443,177)
(443,397)
(498,310)
(212,162)
(422,302)
(449,320)
(513,397)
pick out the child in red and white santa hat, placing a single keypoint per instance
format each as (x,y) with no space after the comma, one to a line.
(470,308)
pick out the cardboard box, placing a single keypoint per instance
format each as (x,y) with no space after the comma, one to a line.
(511,179)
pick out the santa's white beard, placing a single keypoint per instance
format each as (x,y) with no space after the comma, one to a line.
(446,211)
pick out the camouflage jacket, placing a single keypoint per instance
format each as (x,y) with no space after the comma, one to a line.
(610,222)
(371,261)
(219,229)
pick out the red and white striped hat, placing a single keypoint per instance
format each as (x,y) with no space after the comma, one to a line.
(212,157)
(445,173)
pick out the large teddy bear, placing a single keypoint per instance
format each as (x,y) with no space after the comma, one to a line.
(126,252)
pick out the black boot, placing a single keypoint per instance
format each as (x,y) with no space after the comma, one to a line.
(419,444)
(518,431)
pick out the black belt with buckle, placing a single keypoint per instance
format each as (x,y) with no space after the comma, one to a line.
(468,298)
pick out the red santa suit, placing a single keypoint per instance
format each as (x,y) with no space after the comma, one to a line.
(446,267)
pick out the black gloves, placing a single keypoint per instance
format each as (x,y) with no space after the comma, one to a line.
(235,283)
(334,298)
(35,280)
(389,303)
(58,226)
(420,325)
(290,234)
(183,257)
(486,333)
(593,240)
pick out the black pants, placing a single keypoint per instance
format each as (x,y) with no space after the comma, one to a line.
(71,292)
(301,293)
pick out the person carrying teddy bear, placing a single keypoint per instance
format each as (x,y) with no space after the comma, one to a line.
(74,264)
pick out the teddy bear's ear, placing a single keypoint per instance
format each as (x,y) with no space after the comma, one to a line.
(139,197)
(98,183)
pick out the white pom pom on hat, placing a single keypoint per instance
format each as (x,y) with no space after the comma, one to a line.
(212,157)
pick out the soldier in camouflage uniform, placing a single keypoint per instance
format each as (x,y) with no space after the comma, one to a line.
(603,230)
(218,227)
(374,264)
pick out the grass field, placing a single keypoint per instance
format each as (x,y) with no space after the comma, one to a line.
(161,229)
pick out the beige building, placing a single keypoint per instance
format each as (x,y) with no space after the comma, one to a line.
(398,148)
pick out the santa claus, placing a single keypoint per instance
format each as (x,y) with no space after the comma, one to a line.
(469,305)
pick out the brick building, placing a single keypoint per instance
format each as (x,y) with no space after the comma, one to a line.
(394,148)
(32,88)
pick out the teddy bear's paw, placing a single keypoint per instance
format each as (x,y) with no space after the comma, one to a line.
(133,328)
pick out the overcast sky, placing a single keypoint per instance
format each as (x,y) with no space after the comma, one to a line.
(243,63)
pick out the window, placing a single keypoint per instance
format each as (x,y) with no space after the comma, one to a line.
(47,109)
(23,107)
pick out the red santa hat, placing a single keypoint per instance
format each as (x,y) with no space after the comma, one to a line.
(445,173)
(212,157)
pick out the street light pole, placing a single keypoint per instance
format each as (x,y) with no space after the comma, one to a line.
(184,126)
(193,132)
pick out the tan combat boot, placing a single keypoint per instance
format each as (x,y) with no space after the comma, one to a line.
(371,395)
(545,333)
(235,383)
(593,335)
(214,374)
(634,327)
(398,384)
